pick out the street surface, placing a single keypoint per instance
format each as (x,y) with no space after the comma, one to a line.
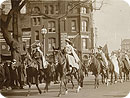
(118,90)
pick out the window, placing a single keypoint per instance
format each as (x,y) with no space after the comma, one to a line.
(51,43)
(36,10)
(51,27)
(46,9)
(57,9)
(73,25)
(83,10)
(51,9)
(84,26)
(84,42)
(36,35)
(36,21)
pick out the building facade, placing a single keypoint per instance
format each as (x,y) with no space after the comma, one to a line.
(125,45)
(62,19)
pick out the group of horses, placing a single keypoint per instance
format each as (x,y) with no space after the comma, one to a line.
(57,70)
(96,66)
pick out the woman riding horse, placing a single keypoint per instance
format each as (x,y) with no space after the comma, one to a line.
(71,56)
(37,66)
(64,64)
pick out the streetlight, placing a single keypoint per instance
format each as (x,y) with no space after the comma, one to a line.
(43,32)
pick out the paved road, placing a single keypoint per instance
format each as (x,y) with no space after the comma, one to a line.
(118,90)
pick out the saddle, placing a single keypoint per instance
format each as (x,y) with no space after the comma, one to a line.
(33,64)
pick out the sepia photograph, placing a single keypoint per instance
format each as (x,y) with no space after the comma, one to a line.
(65,48)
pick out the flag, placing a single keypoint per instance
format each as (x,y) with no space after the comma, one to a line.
(105,50)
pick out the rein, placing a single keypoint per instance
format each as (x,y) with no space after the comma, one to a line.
(60,55)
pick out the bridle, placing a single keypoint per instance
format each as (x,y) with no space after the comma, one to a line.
(56,60)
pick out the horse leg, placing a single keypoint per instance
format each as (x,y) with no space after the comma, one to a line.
(102,78)
(65,84)
(36,79)
(38,89)
(72,81)
(46,87)
(127,76)
(124,75)
(95,81)
(60,92)
(111,77)
(121,80)
(79,82)
(29,89)
(107,76)
(115,77)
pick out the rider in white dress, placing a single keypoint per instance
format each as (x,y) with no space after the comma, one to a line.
(71,56)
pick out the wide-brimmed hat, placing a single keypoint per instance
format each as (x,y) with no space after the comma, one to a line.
(14,60)
(38,45)
(67,40)
(100,47)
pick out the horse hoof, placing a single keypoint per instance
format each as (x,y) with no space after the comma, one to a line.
(27,95)
(96,87)
(77,90)
(45,91)
(79,87)
(59,95)
(107,83)
(115,82)
(40,92)
(121,81)
(66,92)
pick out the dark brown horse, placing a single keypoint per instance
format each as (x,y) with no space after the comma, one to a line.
(104,68)
(60,62)
(33,73)
(95,68)
(126,69)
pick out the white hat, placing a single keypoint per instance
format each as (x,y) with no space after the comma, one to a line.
(38,45)
(14,60)
(67,40)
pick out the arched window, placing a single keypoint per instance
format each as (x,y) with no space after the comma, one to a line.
(36,21)
(51,27)
(36,10)
(83,10)
(36,35)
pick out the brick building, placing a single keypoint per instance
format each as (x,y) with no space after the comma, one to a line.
(125,45)
(62,19)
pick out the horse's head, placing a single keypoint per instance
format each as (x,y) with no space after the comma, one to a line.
(59,58)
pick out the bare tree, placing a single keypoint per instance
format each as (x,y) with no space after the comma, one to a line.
(13,41)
